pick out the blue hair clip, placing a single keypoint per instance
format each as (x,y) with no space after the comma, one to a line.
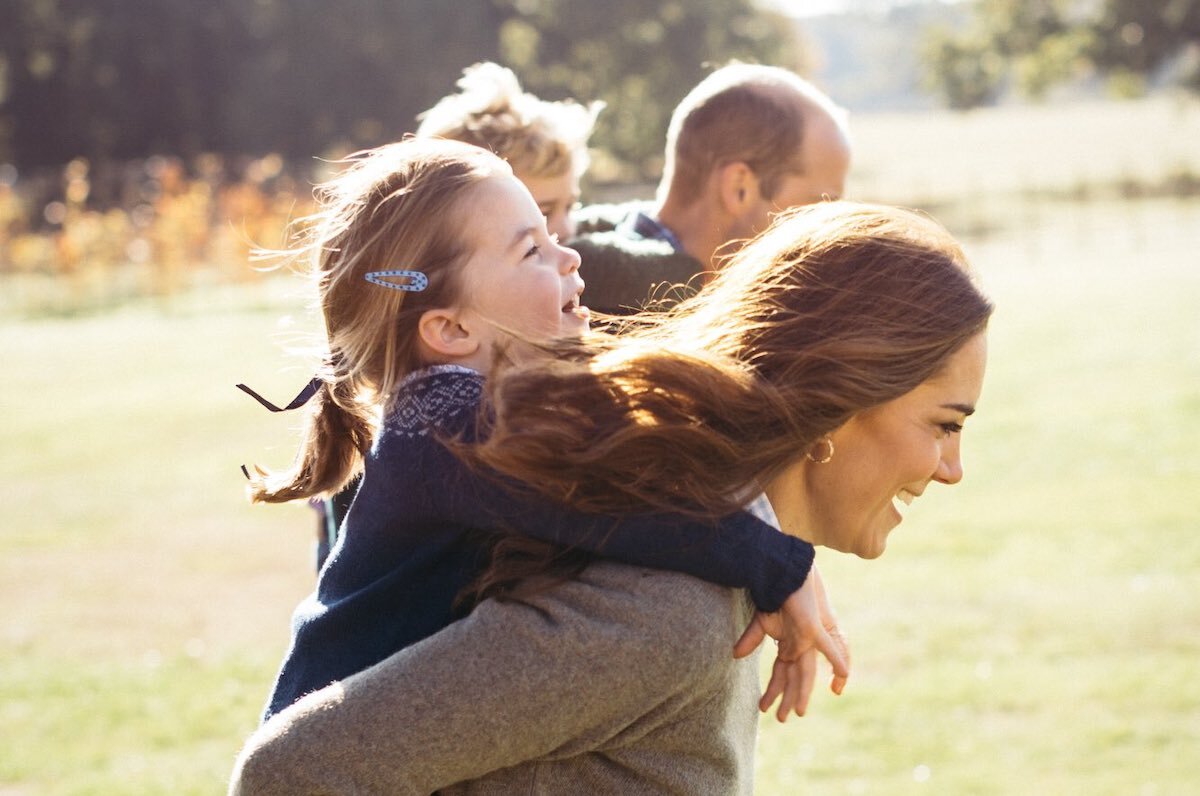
(417,281)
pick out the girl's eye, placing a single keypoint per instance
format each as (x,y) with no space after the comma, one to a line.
(533,250)
(951,428)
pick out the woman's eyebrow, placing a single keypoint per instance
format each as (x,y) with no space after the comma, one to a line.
(966,409)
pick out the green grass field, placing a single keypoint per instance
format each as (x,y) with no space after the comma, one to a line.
(1034,630)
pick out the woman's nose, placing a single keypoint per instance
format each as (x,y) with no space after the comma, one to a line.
(950,469)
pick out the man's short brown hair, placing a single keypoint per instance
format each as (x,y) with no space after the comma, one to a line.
(741,112)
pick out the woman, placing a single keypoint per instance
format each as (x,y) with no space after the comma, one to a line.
(832,363)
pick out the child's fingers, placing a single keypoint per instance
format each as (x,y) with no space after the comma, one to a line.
(775,685)
(751,638)
(838,683)
(833,646)
(802,675)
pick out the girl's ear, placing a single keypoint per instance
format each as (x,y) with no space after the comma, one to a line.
(444,338)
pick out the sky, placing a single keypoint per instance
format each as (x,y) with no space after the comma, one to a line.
(812,8)
(806,8)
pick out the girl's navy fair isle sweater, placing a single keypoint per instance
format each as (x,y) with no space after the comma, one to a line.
(411,543)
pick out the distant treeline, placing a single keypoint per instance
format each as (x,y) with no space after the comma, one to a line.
(124,79)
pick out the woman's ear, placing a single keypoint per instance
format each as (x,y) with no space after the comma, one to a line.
(444,338)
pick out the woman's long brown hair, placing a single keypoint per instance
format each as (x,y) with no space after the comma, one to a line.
(837,308)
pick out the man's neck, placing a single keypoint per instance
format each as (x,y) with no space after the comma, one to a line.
(694,227)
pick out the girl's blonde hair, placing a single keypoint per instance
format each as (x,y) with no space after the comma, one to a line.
(537,137)
(397,207)
(836,308)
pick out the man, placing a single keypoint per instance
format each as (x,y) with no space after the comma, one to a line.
(747,142)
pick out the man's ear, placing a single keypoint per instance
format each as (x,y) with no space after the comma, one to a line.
(737,186)
(443,337)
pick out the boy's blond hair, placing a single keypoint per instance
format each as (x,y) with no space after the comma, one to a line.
(538,138)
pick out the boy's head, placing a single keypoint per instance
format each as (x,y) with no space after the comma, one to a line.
(544,142)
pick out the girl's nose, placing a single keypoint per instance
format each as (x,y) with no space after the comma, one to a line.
(570,259)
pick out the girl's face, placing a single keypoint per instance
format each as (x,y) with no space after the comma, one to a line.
(555,198)
(882,457)
(518,277)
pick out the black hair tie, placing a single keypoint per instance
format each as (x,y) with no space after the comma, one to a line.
(300,400)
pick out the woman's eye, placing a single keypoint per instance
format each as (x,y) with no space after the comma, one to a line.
(533,250)
(951,428)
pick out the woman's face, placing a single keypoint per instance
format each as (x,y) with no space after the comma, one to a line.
(883,458)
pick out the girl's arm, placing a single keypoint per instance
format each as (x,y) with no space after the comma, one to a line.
(515,682)
(739,550)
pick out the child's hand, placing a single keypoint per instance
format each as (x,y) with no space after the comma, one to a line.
(804,625)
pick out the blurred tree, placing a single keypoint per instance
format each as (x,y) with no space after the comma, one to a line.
(963,70)
(116,79)
(88,77)
(356,74)
(1038,43)
(639,57)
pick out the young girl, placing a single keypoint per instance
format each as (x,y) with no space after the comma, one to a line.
(432,260)
(544,142)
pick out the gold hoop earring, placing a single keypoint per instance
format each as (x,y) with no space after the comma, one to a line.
(824,459)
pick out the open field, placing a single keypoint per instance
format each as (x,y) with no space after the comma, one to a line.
(1073,149)
(1034,630)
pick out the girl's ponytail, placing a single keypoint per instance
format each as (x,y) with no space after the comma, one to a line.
(336,438)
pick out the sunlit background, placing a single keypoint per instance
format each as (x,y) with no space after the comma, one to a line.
(1034,630)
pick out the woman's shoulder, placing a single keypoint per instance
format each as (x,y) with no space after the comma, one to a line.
(440,398)
(626,610)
